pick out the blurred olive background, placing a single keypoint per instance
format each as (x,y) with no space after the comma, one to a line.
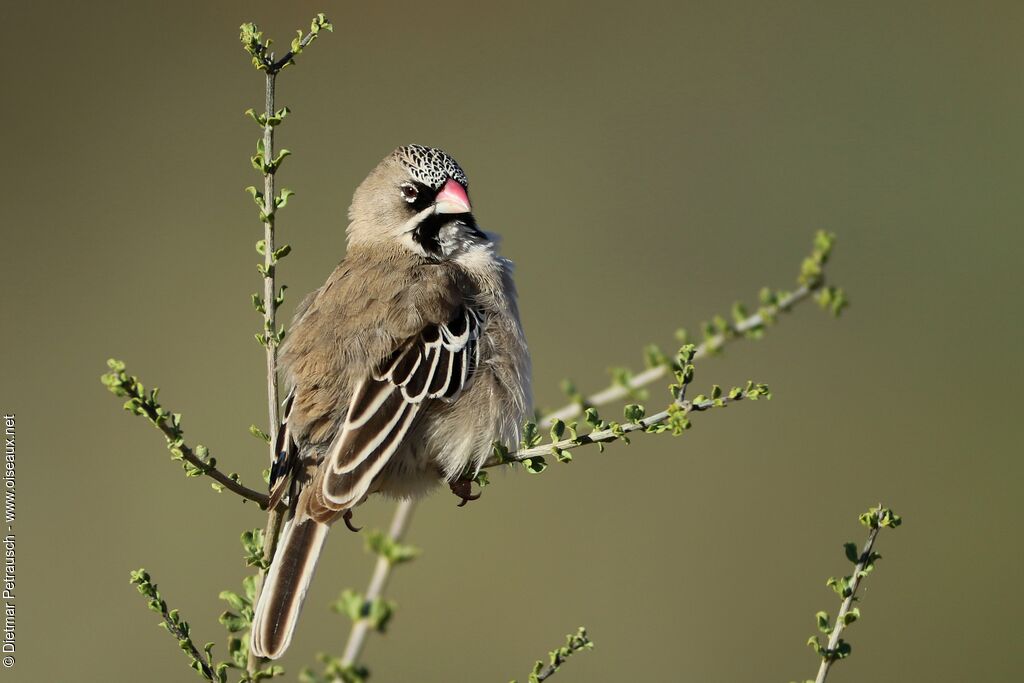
(648,164)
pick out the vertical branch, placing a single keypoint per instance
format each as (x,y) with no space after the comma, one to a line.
(269,277)
(269,326)
(269,202)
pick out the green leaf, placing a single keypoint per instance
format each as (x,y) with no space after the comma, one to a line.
(531,435)
(633,412)
(852,554)
(535,465)
(282,199)
(557,430)
(259,433)
(379,543)
(233,599)
(233,622)
(350,604)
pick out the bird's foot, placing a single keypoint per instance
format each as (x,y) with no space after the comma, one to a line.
(463,488)
(347,517)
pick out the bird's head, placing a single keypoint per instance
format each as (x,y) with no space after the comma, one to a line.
(417,196)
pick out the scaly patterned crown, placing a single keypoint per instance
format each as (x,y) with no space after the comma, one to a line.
(430,166)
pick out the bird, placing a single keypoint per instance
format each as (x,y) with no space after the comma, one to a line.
(401,370)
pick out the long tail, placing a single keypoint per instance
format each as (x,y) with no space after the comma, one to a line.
(285,588)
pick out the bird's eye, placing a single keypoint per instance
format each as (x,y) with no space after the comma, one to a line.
(409,193)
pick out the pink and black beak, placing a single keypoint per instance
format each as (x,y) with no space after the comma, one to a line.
(452,198)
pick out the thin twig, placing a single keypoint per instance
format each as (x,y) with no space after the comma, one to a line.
(574,643)
(378,582)
(175,625)
(837,630)
(120,383)
(185,642)
(269,274)
(274,517)
(617,392)
(188,455)
(271,337)
(287,59)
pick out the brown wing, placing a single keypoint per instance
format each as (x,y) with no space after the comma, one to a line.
(436,364)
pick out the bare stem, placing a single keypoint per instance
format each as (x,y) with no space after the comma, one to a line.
(378,582)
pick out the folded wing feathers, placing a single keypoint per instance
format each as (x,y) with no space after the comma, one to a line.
(345,489)
(436,364)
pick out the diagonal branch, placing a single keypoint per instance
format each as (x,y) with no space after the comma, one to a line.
(875,519)
(672,419)
(574,642)
(659,422)
(177,627)
(618,392)
(832,649)
(196,461)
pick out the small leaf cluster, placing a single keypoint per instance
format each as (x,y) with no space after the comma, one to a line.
(876,518)
(879,517)
(335,671)
(238,618)
(376,612)
(382,545)
(574,642)
(202,660)
(812,274)
(171,620)
(259,49)
(674,419)
(252,544)
(719,330)
(267,163)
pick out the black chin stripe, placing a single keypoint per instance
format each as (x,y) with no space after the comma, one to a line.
(426,233)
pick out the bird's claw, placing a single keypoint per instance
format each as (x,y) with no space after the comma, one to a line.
(463,488)
(347,517)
